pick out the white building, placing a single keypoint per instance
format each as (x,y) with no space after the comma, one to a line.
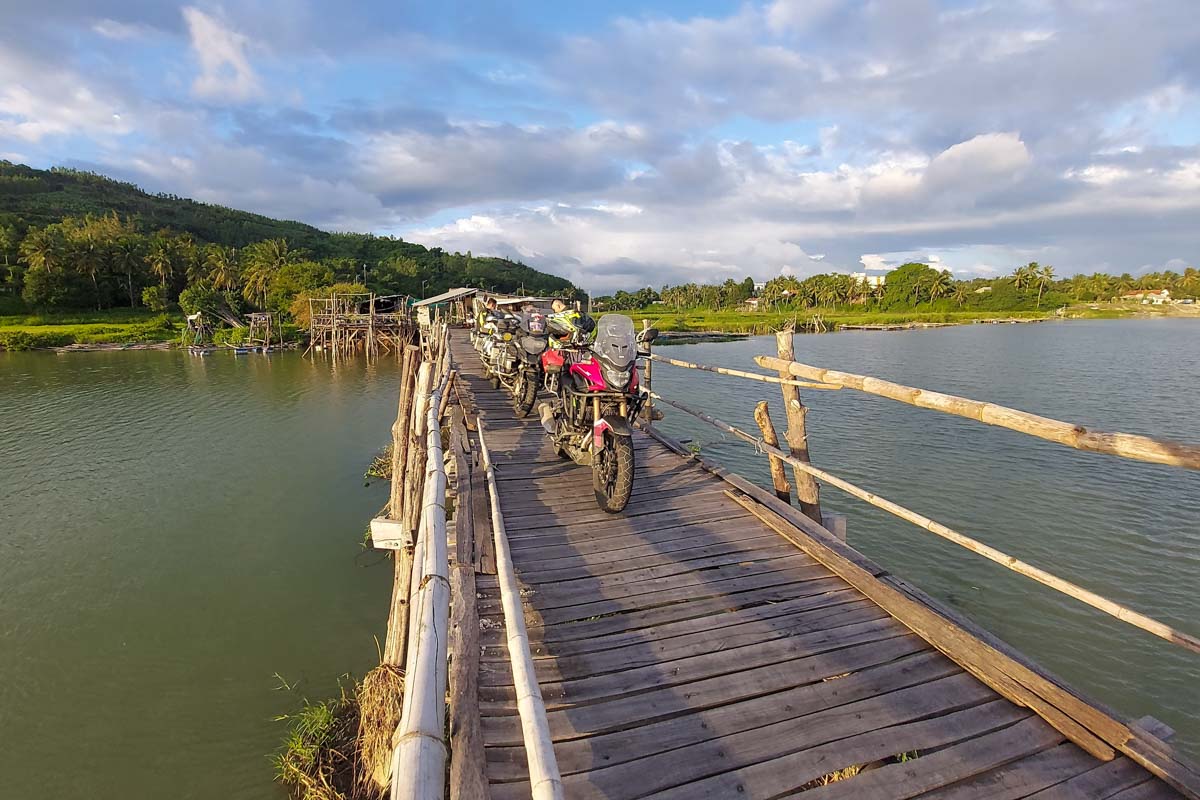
(874,277)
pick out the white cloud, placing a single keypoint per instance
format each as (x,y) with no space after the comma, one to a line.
(37,102)
(120,31)
(225,71)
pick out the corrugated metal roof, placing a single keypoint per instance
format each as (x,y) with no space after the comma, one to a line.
(446,297)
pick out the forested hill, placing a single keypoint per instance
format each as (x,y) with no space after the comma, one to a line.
(33,198)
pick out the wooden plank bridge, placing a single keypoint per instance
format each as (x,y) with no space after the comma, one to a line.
(713,642)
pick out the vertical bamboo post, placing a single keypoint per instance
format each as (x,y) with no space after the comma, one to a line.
(414,472)
(807,490)
(649,386)
(778,474)
(371,328)
(397,629)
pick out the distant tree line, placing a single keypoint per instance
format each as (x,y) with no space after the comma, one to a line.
(909,287)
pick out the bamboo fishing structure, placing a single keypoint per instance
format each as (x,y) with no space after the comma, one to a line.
(344,324)
(1126,445)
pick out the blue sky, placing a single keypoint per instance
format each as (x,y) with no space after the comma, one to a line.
(623,144)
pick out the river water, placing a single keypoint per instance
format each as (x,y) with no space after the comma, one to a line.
(176,530)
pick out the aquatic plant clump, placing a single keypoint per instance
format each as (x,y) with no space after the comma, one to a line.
(317,757)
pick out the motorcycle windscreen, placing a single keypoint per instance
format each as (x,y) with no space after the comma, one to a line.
(616,343)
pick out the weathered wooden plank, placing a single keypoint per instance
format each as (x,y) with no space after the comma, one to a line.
(1020,778)
(670,596)
(906,779)
(536,528)
(679,551)
(1150,790)
(587,591)
(1102,781)
(772,777)
(632,656)
(628,729)
(685,670)
(559,545)
(633,621)
(775,759)
(721,618)
(599,584)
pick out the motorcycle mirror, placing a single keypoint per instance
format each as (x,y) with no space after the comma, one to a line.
(648,335)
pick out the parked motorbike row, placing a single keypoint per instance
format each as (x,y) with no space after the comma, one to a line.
(589,370)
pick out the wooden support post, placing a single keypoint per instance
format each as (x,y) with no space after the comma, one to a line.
(397,626)
(649,410)
(414,477)
(807,490)
(779,479)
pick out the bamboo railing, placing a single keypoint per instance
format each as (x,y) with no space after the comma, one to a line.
(418,628)
(1126,445)
(544,778)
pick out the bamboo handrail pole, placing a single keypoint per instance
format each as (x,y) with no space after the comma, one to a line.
(1126,445)
(737,373)
(419,758)
(544,777)
(1123,613)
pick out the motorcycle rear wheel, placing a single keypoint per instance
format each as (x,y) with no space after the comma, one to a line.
(612,473)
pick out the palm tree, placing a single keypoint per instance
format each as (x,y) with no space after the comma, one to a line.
(1026,276)
(127,257)
(940,284)
(162,258)
(961,293)
(256,282)
(222,266)
(1101,285)
(1043,276)
(1190,282)
(1079,286)
(44,249)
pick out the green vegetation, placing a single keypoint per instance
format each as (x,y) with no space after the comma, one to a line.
(913,293)
(316,760)
(31,331)
(71,241)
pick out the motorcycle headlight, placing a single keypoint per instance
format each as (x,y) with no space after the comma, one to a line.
(615,378)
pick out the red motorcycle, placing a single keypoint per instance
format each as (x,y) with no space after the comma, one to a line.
(597,398)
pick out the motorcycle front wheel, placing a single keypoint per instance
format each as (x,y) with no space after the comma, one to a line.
(524,393)
(612,473)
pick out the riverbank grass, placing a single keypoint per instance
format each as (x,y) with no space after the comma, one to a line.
(123,326)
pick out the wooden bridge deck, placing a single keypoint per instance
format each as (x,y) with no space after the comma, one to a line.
(687,650)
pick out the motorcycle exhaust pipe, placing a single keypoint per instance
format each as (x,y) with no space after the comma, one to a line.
(548,422)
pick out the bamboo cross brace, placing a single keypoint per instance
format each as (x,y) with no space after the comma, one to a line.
(737,373)
(1126,445)
(1121,612)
